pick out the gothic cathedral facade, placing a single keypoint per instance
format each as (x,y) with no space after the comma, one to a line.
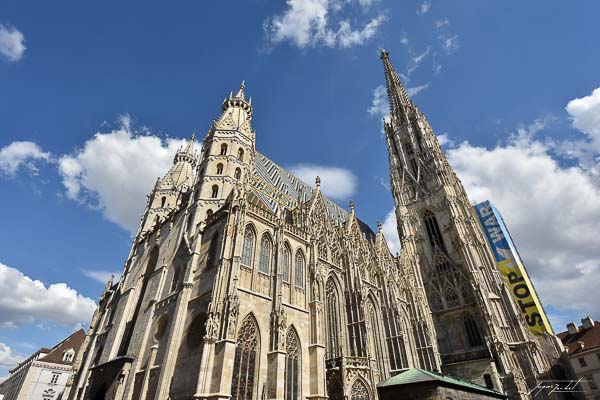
(244,282)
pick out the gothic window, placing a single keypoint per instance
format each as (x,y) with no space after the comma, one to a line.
(219,169)
(248,247)
(213,249)
(224,149)
(472,330)
(238,173)
(395,339)
(359,391)
(410,158)
(245,361)
(292,366)
(265,255)
(215,192)
(241,154)
(299,270)
(332,306)
(374,334)
(433,231)
(98,355)
(209,214)
(285,263)
(163,200)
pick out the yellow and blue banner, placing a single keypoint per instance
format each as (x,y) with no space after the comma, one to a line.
(512,269)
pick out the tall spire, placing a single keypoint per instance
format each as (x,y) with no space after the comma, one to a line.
(399,100)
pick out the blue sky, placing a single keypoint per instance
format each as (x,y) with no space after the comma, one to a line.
(95,98)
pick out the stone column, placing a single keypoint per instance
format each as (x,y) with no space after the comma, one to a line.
(316,353)
(151,362)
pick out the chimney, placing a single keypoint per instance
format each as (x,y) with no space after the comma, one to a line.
(587,322)
(572,328)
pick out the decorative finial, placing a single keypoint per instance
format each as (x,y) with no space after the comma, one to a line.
(318,182)
(379,226)
(243,85)
(352,205)
(193,137)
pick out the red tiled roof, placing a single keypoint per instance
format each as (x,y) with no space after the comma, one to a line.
(72,342)
(585,339)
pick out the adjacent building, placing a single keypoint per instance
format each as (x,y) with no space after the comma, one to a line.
(44,374)
(583,347)
(243,282)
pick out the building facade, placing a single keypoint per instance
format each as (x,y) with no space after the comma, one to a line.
(583,346)
(44,374)
(244,282)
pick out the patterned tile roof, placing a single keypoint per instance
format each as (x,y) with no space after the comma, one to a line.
(275,181)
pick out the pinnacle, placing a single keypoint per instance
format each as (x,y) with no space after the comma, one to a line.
(240,94)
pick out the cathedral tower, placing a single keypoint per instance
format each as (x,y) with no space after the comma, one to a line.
(481,336)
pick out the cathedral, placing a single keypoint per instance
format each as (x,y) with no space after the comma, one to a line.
(244,282)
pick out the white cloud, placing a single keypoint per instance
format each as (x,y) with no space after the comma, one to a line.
(424,7)
(312,23)
(12,43)
(348,37)
(404,38)
(379,106)
(17,155)
(448,40)
(444,140)
(552,212)
(390,232)
(101,276)
(115,171)
(8,359)
(337,183)
(585,116)
(413,91)
(24,301)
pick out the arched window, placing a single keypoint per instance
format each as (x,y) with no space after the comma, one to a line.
(286,259)
(248,247)
(472,330)
(238,173)
(213,249)
(224,149)
(219,169)
(332,306)
(292,366)
(163,200)
(299,270)
(245,360)
(241,154)
(374,335)
(209,213)
(215,191)
(433,231)
(359,391)
(395,339)
(265,255)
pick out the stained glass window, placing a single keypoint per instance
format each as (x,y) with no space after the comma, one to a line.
(292,366)
(265,255)
(244,363)
(359,391)
(285,263)
(299,271)
(248,247)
